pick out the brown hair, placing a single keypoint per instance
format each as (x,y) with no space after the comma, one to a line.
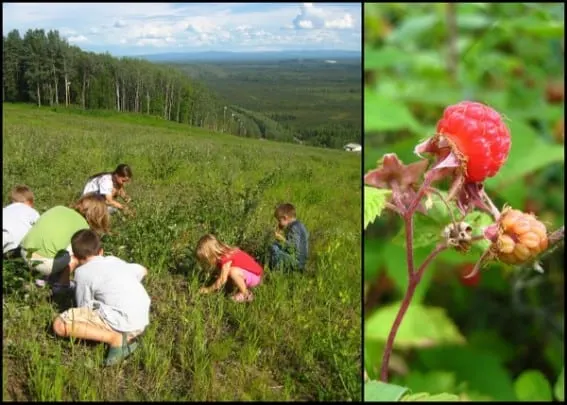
(286,210)
(85,243)
(210,249)
(93,207)
(122,170)
(21,194)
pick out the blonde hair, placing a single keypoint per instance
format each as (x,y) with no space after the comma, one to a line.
(92,206)
(21,194)
(210,250)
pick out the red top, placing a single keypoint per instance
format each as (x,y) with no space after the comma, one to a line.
(243,260)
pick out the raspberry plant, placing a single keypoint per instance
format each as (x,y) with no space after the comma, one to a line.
(471,145)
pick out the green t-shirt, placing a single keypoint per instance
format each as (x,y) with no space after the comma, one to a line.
(53,231)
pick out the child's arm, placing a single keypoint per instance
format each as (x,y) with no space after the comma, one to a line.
(122,193)
(139,271)
(221,280)
(111,201)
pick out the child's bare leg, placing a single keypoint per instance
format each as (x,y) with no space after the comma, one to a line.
(237,278)
(83,330)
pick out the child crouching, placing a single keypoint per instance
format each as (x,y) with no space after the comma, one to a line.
(112,304)
(233,263)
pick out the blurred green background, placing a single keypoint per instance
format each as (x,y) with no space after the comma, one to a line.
(499,336)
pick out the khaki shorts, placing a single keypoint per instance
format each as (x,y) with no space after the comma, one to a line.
(88,316)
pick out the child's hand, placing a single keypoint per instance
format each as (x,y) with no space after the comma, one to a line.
(279,236)
(204,290)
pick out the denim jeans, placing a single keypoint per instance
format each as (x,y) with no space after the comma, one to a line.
(281,260)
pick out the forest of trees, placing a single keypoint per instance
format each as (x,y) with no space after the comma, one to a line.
(43,68)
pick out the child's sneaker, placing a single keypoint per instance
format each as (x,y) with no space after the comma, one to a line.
(243,298)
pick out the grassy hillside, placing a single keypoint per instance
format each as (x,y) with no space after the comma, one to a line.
(298,340)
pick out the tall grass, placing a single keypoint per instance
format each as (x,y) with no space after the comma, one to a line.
(298,340)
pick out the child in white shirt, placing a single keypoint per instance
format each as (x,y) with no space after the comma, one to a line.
(111,185)
(18,217)
(112,304)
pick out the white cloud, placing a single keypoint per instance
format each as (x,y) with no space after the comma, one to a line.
(312,17)
(306,24)
(345,22)
(117,27)
(78,39)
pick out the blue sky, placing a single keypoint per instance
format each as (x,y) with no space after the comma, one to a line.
(149,28)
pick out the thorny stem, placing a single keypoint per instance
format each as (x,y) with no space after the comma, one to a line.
(495,212)
(414,279)
(415,276)
(408,222)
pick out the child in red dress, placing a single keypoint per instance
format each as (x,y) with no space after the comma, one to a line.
(233,263)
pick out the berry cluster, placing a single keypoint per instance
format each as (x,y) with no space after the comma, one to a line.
(520,237)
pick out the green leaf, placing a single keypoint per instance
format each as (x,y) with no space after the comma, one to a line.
(532,385)
(421,327)
(559,386)
(482,372)
(377,391)
(384,57)
(414,27)
(397,268)
(434,382)
(490,341)
(528,154)
(385,114)
(373,352)
(425,397)
(374,203)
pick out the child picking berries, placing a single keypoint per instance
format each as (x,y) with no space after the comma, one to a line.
(290,250)
(111,185)
(232,263)
(17,218)
(113,306)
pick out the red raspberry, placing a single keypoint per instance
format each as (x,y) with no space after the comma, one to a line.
(478,136)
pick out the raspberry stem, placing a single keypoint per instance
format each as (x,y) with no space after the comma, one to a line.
(414,280)
(495,212)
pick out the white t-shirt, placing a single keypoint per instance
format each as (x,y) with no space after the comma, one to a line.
(113,288)
(17,220)
(101,185)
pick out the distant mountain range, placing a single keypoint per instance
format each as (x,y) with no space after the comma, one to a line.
(218,56)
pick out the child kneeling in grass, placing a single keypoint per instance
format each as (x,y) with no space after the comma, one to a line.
(112,304)
(17,218)
(233,263)
(289,252)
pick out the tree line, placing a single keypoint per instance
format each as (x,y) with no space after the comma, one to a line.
(43,68)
